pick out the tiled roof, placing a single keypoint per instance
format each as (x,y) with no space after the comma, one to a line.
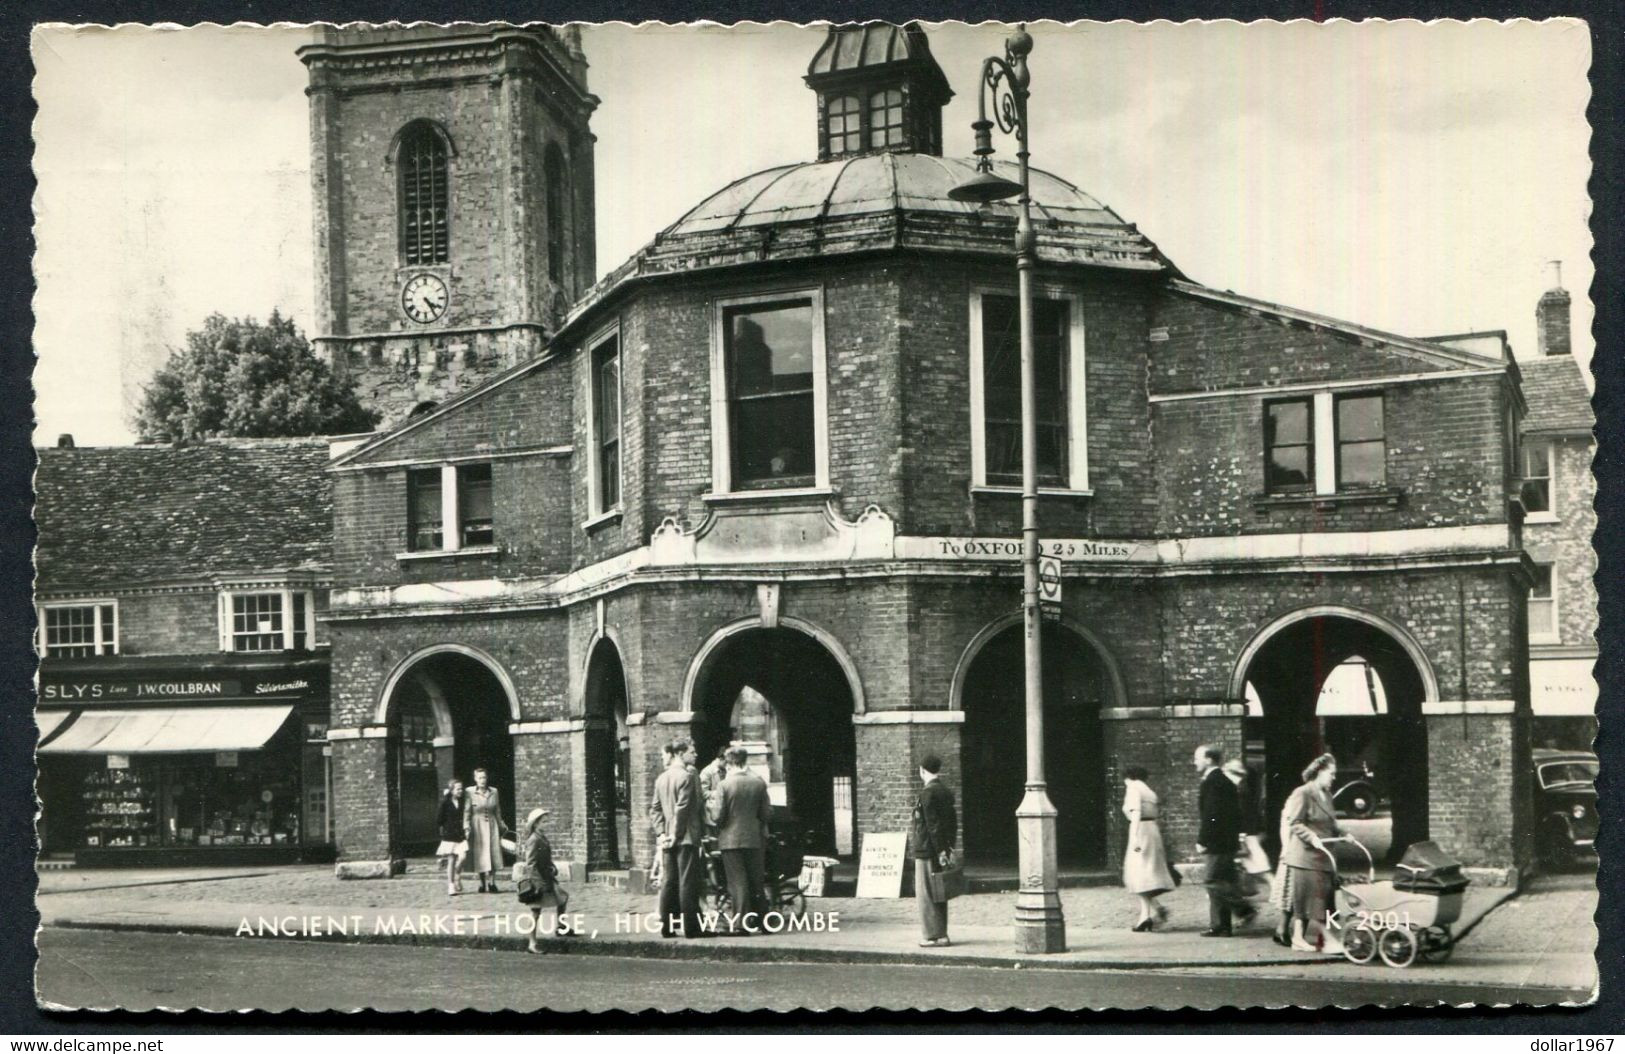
(1557,395)
(120,516)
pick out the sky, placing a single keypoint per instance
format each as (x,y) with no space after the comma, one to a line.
(1410,177)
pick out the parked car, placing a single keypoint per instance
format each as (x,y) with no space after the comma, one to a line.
(1355,792)
(1565,789)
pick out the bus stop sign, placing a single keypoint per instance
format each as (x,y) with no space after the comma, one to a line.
(1049,581)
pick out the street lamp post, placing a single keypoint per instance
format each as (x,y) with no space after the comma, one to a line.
(1039,924)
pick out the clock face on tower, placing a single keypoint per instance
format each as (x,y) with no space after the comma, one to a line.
(424,298)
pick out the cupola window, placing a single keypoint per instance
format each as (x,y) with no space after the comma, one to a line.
(886,118)
(845,123)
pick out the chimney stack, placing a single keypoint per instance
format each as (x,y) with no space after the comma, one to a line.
(65,441)
(1552,315)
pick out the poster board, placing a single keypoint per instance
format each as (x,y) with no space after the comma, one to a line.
(880,867)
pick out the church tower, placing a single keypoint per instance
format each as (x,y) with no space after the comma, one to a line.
(452,174)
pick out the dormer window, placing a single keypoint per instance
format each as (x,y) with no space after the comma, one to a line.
(886,118)
(845,124)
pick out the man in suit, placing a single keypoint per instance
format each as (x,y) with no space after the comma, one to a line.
(741,812)
(931,842)
(711,778)
(1217,837)
(677,813)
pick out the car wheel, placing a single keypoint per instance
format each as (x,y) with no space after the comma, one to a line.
(1360,800)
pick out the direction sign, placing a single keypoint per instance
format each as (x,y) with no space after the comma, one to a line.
(1049,580)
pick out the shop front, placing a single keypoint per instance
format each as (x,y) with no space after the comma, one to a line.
(183,767)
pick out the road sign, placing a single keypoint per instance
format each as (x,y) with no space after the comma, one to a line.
(1049,580)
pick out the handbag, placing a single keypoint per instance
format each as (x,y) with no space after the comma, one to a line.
(946,882)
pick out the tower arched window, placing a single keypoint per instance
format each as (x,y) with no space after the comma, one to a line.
(424,195)
(844,123)
(553,173)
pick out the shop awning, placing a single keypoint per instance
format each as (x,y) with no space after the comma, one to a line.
(170,731)
(49,721)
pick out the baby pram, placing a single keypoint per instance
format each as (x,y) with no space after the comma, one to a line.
(1406,919)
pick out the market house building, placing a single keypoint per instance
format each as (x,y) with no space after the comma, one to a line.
(761,486)
(183,681)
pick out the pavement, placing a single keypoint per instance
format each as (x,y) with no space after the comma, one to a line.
(1545,935)
(145,971)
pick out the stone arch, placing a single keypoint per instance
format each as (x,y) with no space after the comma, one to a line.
(1401,636)
(433,126)
(836,651)
(1081,682)
(956,689)
(1381,744)
(387,694)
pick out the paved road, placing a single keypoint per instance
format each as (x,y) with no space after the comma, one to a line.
(90,968)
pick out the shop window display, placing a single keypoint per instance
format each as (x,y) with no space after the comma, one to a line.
(247,798)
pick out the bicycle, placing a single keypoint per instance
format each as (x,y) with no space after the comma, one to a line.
(784,891)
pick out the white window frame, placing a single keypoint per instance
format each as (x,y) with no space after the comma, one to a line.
(44,647)
(595,494)
(1325,442)
(721,452)
(228,640)
(1555,636)
(451,520)
(1077,412)
(1549,515)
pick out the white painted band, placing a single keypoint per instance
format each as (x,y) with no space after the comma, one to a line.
(1470,706)
(910,717)
(1174,711)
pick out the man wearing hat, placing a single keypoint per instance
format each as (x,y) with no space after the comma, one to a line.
(931,843)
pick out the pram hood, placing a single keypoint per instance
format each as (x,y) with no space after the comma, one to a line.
(1426,868)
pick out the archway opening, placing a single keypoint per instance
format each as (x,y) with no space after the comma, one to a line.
(1339,684)
(1077,684)
(781,695)
(448,715)
(608,760)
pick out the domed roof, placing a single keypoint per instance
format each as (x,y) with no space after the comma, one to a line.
(879,202)
(884,182)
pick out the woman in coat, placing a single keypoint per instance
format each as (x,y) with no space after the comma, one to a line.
(453,844)
(483,827)
(538,886)
(1310,818)
(1145,861)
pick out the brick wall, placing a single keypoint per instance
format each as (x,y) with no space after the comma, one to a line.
(366,799)
(1478,790)
(1444,454)
(530,492)
(169,624)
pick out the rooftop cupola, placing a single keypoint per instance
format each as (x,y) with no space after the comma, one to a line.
(879,90)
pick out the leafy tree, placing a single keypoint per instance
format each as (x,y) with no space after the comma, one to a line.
(236,377)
